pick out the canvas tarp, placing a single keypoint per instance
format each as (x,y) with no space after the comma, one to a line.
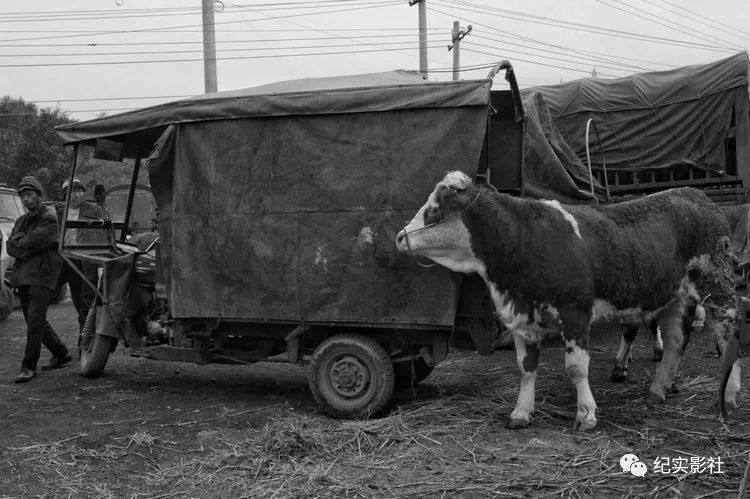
(375,92)
(551,169)
(282,203)
(295,218)
(655,120)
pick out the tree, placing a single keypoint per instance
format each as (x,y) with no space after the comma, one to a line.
(29,144)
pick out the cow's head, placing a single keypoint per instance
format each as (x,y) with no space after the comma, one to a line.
(438,231)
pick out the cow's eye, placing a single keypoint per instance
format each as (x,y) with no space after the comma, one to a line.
(432,214)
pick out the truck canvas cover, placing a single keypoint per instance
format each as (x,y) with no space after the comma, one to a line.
(656,120)
(282,202)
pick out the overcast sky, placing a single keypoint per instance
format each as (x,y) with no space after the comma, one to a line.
(92,54)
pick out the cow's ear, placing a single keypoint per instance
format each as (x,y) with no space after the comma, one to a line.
(450,200)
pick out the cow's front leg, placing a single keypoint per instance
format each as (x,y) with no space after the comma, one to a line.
(733,385)
(675,334)
(527,356)
(575,331)
(720,332)
(620,369)
(658,341)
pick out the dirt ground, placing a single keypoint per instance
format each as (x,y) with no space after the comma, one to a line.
(158,429)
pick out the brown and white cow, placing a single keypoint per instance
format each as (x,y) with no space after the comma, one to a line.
(549,265)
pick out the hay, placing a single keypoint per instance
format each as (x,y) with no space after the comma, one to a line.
(451,442)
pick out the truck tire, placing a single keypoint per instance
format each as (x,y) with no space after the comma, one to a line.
(95,357)
(351,376)
(411,372)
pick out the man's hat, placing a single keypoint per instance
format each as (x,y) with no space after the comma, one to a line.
(77,184)
(30,183)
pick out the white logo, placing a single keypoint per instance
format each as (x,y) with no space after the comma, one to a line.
(631,463)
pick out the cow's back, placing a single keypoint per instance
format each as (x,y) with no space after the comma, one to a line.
(640,248)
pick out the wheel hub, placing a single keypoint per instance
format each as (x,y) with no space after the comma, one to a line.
(349,376)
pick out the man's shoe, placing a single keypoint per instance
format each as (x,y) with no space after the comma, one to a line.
(25,375)
(56,362)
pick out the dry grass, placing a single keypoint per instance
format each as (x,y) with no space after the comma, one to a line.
(450,442)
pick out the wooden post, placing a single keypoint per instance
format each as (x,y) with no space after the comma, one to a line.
(209,47)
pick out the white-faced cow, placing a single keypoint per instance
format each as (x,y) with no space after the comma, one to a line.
(549,265)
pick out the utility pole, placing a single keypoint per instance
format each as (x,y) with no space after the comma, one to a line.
(422,34)
(456,36)
(209,47)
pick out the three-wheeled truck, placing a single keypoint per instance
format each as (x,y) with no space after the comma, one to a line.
(278,210)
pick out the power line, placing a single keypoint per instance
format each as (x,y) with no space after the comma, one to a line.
(597,60)
(597,57)
(116,16)
(89,11)
(584,58)
(546,21)
(668,24)
(435,31)
(329,32)
(246,49)
(161,61)
(156,12)
(535,62)
(471,43)
(144,30)
(701,17)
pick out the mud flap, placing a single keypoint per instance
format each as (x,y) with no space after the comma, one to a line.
(104,323)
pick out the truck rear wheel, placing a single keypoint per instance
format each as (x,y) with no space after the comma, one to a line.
(95,355)
(411,372)
(351,376)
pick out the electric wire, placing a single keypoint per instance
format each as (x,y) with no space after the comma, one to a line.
(581,58)
(702,18)
(162,61)
(162,12)
(218,50)
(587,71)
(482,45)
(171,28)
(434,32)
(546,21)
(668,24)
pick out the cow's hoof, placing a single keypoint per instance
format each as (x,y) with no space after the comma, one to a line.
(658,355)
(517,423)
(657,397)
(584,423)
(619,374)
(731,403)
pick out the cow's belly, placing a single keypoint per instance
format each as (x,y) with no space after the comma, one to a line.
(604,311)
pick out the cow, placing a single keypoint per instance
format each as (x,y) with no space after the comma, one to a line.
(549,265)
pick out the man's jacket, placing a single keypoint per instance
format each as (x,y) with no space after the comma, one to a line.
(33,243)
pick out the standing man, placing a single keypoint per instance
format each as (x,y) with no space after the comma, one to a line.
(33,243)
(80,292)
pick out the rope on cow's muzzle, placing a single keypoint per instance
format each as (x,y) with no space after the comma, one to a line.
(408,244)
(442,220)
